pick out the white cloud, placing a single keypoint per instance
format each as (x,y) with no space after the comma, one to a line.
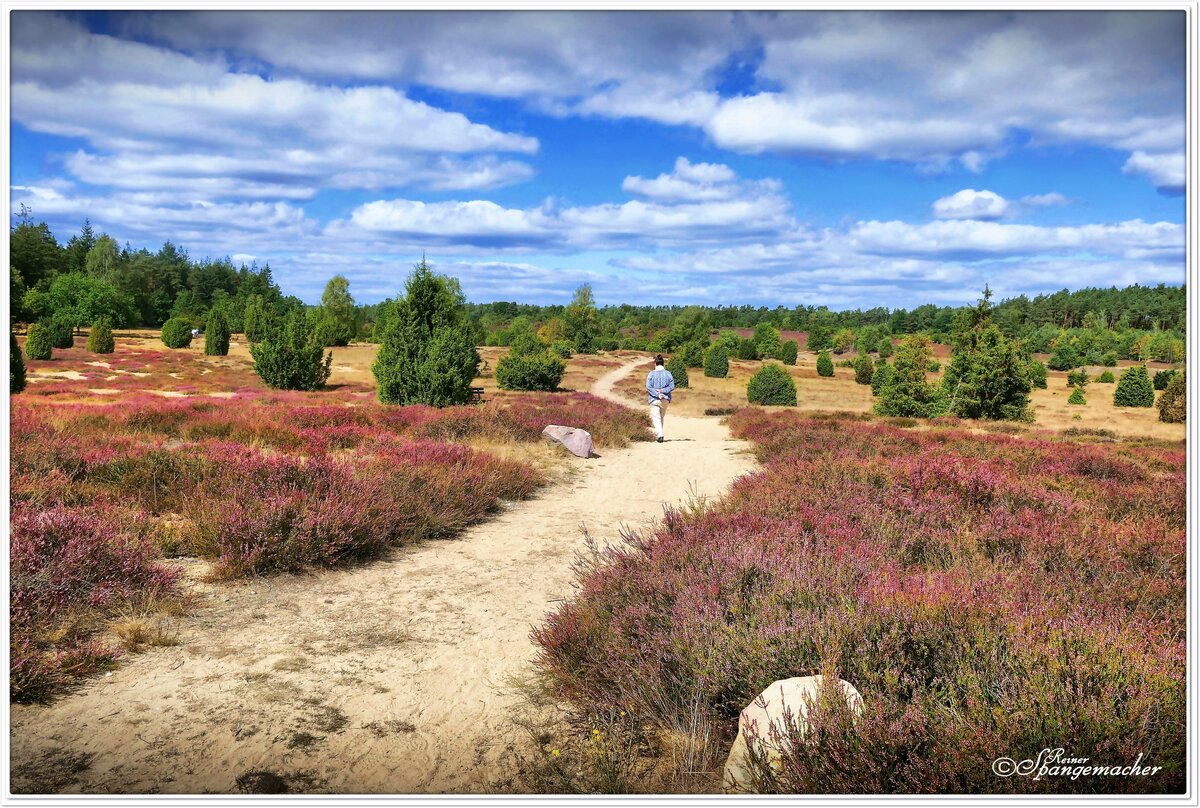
(1166,171)
(694,182)
(971,204)
(1047,200)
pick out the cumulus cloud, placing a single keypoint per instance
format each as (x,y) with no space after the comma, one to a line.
(971,204)
(1166,171)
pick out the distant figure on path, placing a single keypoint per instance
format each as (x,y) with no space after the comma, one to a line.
(659,384)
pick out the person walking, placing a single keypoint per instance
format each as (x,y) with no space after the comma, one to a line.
(659,384)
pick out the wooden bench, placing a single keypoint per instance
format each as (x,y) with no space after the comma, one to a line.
(476,395)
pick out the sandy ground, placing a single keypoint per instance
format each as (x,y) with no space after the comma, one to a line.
(393,677)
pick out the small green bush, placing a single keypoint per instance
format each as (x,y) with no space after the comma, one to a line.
(1134,389)
(678,370)
(824,364)
(177,332)
(1037,374)
(216,334)
(772,385)
(100,338)
(934,366)
(291,357)
(1162,378)
(716,362)
(1172,404)
(1065,357)
(789,350)
(691,354)
(885,347)
(562,349)
(882,377)
(16,365)
(864,368)
(38,342)
(62,332)
(907,393)
(1077,378)
(1106,378)
(1077,397)
(746,349)
(1109,360)
(530,371)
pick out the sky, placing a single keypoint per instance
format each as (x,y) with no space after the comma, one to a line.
(847,159)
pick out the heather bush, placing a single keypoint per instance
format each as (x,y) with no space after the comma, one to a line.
(291,357)
(38,342)
(427,354)
(177,332)
(864,369)
(975,576)
(1172,404)
(1077,397)
(1037,374)
(824,364)
(678,369)
(1077,378)
(62,331)
(772,385)
(1106,378)
(691,354)
(789,351)
(716,362)
(16,365)
(1163,377)
(216,333)
(100,338)
(530,371)
(1134,388)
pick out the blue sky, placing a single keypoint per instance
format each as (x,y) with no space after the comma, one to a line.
(850,159)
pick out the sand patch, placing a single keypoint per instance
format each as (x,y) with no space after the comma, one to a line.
(47,375)
(103,391)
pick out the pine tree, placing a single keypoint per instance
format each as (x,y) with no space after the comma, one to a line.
(907,393)
(1134,388)
(290,356)
(987,376)
(16,365)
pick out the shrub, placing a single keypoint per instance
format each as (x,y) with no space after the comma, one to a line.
(933,366)
(428,354)
(820,338)
(1106,378)
(1037,374)
(746,349)
(716,362)
(1077,397)
(907,393)
(824,364)
(1163,377)
(771,385)
(100,338)
(766,341)
(789,350)
(1109,360)
(864,368)
(1065,357)
(38,342)
(1134,388)
(530,371)
(678,370)
(291,357)
(885,347)
(62,332)
(691,354)
(1172,404)
(256,321)
(1077,378)
(216,333)
(987,377)
(16,365)
(177,332)
(562,349)
(882,377)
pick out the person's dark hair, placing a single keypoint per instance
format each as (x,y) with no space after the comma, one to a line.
(658,360)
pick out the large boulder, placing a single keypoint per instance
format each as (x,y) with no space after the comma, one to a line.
(577,441)
(768,710)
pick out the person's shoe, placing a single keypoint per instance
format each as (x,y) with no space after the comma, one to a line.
(660,440)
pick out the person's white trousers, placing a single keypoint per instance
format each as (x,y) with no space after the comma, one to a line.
(658,412)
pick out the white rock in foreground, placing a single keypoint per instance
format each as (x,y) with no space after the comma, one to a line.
(768,710)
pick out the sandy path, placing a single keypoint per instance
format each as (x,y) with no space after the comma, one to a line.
(389,677)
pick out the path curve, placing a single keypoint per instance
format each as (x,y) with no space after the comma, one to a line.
(387,678)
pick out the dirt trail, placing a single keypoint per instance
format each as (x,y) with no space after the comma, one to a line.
(391,677)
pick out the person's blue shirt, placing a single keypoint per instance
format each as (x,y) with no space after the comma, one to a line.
(659,379)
